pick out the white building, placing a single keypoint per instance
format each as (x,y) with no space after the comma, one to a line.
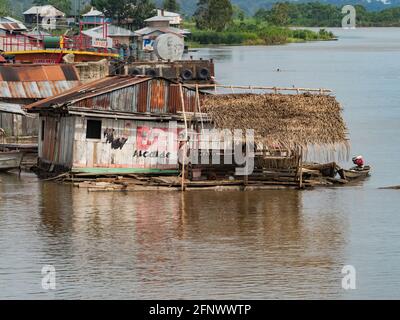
(175,19)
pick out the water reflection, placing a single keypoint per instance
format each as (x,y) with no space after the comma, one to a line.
(197,244)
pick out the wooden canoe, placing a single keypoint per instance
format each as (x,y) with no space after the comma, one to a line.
(354,174)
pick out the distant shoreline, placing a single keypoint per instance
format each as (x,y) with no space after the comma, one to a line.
(267,37)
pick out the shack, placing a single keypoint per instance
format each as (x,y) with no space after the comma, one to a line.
(112,36)
(46,15)
(21,85)
(112,127)
(94,17)
(10,25)
(291,132)
(103,126)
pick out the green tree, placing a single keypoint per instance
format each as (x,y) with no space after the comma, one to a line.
(5,8)
(63,5)
(40,2)
(85,9)
(171,5)
(280,14)
(213,14)
(134,11)
(238,13)
(116,9)
(139,11)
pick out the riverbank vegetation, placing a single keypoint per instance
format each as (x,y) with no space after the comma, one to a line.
(219,22)
(250,33)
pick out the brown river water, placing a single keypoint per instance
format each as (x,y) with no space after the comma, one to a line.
(230,245)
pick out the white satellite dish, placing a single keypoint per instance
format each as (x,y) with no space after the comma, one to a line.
(169,46)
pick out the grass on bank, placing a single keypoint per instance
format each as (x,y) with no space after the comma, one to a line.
(251,32)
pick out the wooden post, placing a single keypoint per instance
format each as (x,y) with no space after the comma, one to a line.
(301,168)
(186,138)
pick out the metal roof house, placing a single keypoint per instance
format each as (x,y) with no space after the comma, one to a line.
(113,34)
(105,126)
(21,85)
(94,17)
(40,12)
(175,19)
(10,25)
(156,26)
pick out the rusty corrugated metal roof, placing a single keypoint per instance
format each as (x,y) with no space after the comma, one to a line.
(12,26)
(90,89)
(36,81)
(125,94)
(34,89)
(23,72)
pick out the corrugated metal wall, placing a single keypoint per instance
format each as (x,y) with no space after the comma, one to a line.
(18,125)
(56,145)
(155,96)
(91,153)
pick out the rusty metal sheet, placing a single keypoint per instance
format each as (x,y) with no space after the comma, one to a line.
(54,73)
(8,73)
(45,89)
(31,90)
(16,89)
(123,93)
(20,72)
(31,73)
(62,86)
(70,72)
(5,90)
(34,90)
(142,97)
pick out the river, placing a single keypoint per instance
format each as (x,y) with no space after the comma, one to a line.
(228,245)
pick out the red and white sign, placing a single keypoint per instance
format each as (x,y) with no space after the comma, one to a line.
(100,42)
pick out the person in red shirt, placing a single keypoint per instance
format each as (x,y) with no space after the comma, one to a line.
(358,161)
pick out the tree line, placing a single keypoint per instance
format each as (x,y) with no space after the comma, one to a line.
(220,15)
(316,14)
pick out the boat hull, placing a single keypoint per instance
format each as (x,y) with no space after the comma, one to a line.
(10,160)
(356,174)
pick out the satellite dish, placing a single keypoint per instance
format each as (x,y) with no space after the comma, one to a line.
(169,46)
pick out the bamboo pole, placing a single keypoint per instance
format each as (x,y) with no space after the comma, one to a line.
(199,107)
(301,168)
(215,86)
(186,138)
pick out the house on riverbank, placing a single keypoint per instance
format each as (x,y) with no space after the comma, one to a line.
(21,85)
(118,125)
(102,126)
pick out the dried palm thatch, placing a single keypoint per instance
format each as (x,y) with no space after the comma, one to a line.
(312,122)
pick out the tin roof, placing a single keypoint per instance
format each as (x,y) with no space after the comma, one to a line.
(11,24)
(11,108)
(45,11)
(148,30)
(36,81)
(90,89)
(158,18)
(99,88)
(93,13)
(24,72)
(112,31)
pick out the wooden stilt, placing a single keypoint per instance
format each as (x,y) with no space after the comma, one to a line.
(186,139)
(301,168)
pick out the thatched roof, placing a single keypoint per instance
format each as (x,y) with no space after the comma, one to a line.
(282,120)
